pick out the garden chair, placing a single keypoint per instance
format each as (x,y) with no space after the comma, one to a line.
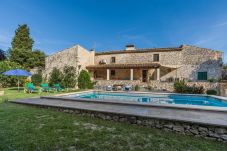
(30,88)
(109,88)
(57,87)
(128,88)
(45,87)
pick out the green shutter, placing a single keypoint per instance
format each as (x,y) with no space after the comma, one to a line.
(202,75)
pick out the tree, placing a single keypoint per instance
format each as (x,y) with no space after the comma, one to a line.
(55,77)
(70,77)
(21,46)
(37,79)
(8,53)
(84,80)
(37,59)
(2,55)
(7,81)
(22,39)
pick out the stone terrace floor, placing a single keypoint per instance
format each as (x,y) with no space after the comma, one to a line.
(215,118)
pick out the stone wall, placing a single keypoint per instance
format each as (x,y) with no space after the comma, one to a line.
(223,88)
(119,82)
(169,86)
(75,56)
(165,58)
(197,130)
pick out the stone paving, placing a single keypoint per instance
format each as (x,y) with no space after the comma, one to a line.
(213,118)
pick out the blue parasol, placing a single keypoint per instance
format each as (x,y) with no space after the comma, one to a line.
(17,72)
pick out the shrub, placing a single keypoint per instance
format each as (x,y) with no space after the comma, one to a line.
(198,90)
(137,88)
(180,86)
(37,79)
(212,92)
(69,77)
(84,80)
(55,77)
(212,80)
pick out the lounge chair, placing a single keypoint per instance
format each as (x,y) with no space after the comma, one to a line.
(45,87)
(117,87)
(127,87)
(57,87)
(30,88)
(109,88)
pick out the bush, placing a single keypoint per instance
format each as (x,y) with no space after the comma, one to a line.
(212,92)
(37,79)
(198,90)
(137,88)
(181,87)
(212,80)
(56,77)
(70,77)
(84,80)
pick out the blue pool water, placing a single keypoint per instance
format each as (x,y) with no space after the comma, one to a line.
(158,99)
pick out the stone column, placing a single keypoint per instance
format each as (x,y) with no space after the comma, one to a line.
(108,74)
(158,74)
(131,74)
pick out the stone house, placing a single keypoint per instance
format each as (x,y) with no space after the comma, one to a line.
(76,56)
(155,67)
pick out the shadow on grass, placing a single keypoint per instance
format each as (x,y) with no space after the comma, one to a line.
(15,88)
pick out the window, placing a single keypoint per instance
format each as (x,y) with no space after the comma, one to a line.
(113,59)
(202,75)
(156,57)
(112,72)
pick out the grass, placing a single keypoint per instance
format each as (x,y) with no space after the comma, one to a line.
(28,128)
(13,94)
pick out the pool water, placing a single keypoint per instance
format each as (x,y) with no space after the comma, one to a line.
(157,99)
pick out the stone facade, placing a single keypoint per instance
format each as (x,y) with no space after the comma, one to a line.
(76,56)
(182,62)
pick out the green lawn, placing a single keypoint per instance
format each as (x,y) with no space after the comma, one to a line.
(12,94)
(28,128)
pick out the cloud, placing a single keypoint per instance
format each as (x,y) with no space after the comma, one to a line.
(220,24)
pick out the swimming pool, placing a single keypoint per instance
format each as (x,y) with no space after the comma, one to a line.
(153,98)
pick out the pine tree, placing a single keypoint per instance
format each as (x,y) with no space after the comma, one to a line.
(2,55)
(21,46)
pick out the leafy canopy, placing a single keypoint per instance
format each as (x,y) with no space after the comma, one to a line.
(21,51)
(84,80)
(70,77)
(37,59)
(22,39)
(37,79)
(55,77)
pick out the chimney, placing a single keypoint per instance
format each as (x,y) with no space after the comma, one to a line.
(130,47)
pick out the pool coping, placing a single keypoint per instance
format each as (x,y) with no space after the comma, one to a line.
(176,106)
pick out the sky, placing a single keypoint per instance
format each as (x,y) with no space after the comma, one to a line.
(111,24)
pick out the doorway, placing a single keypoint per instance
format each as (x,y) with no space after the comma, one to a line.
(144,75)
